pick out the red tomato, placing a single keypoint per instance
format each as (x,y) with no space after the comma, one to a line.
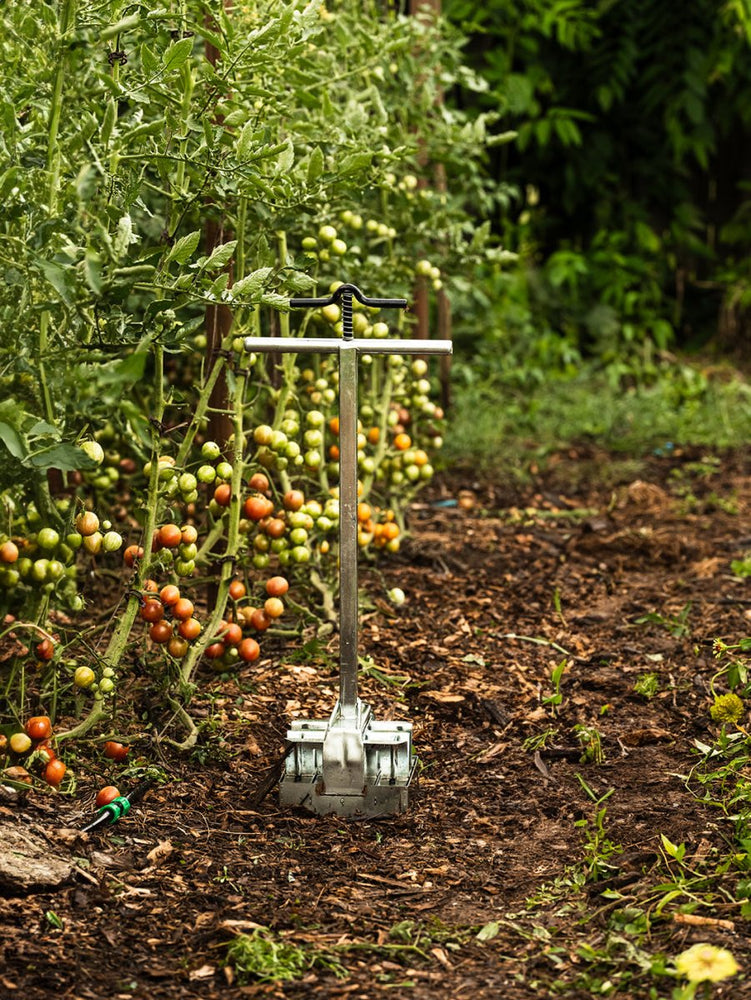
(160,631)
(232,635)
(293,499)
(260,620)
(45,650)
(115,750)
(223,494)
(276,527)
(105,795)
(257,507)
(249,650)
(152,610)
(54,772)
(132,553)
(38,727)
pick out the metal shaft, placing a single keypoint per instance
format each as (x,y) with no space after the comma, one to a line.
(348,613)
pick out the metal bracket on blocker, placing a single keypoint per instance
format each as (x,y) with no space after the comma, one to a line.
(348,764)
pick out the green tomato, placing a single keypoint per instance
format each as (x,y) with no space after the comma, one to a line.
(224,471)
(278,441)
(262,434)
(106,685)
(210,450)
(314,418)
(261,560)
(187,482)
(112,541)
(48,539)
(298,536)
(206,474)
(39,570)
(84,677)
(300,554)
(184,567)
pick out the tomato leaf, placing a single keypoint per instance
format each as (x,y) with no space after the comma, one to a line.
(12,440)
(177,54)
(315,165)
(185,247)
(251,285)
(221,256)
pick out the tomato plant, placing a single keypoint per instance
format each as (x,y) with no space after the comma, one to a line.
(119,463)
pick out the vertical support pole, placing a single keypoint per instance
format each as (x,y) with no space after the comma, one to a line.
(348,612)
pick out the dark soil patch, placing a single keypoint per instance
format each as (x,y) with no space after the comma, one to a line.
(502,585)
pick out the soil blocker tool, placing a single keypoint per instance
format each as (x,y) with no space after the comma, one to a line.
(118,807)
(349,764)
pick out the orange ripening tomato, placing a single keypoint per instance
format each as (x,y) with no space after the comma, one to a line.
(183,609)
(54,772)
(170,536)
(258,482)
(132,553)
(402,441)
(249,650)
(223,494)
(237,590)
(276,586)
(169,595)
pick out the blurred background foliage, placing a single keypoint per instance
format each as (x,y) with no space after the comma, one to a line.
(629,177)
(626,194)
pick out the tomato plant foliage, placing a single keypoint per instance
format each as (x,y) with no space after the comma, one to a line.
(171,175)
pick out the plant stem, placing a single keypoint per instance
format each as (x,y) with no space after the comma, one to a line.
(119,639)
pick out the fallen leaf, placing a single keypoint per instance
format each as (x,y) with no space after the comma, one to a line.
(205,972)
(160,853)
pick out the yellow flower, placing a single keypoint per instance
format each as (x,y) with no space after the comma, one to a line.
(727,708)
(704,962)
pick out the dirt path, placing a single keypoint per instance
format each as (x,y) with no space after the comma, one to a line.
(502,586)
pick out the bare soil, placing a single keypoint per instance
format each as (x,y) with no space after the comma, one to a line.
(503,582)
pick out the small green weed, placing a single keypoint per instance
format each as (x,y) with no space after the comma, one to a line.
(677,625)
(591,742)
(647,685)
(262,956)
(598,847)
(556,675)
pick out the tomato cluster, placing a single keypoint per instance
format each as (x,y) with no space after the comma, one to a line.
(43,558)
(33,746)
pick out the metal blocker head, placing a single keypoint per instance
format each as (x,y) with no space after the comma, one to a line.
(349,764)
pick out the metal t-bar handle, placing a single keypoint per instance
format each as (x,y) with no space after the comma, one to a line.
(347,348)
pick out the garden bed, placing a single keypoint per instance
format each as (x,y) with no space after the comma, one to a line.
(537,858)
